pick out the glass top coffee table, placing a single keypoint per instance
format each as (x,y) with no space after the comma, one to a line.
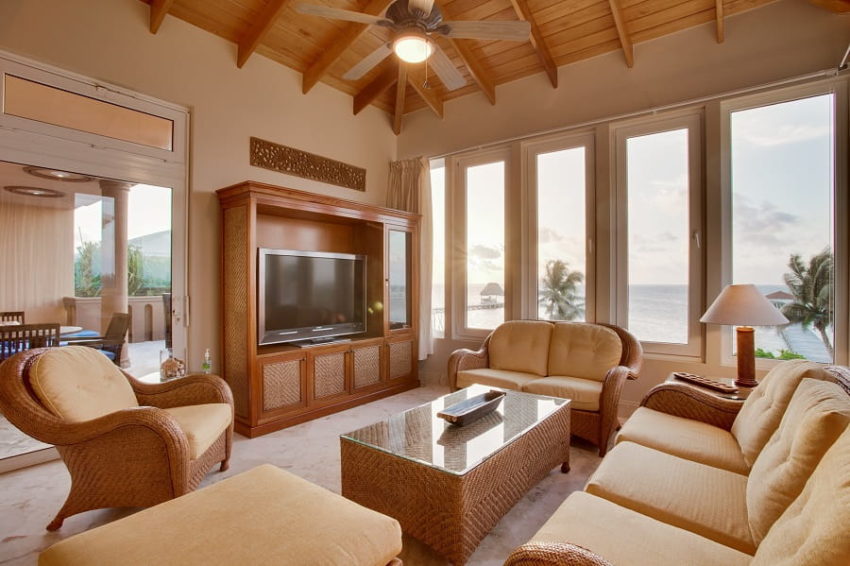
(449,485)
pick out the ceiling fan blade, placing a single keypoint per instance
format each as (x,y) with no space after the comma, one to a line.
(445,69)
(424,5)
(368,63)
(505,30)
(337,14)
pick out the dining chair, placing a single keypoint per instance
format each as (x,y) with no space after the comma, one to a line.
(20,337)
(111,343)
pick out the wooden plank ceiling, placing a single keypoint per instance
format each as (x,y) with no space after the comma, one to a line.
(562,32)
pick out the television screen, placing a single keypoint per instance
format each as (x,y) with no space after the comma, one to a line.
(307,295)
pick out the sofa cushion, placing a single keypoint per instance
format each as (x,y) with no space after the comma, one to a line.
(817,415)
(202,424)
(813,529)
(693,440)
(78,384)
(494,378)
(584,393)
(763,409)
(263,516)
(707,501)
(583,350)
(520,345)
(624,536)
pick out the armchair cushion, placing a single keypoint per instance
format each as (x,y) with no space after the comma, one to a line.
(707,501)
(583,350)
(521,345)
(202,424)
(687,438)
(78,384)
(584,393)
(494,378)
(624,536)
(817,415)
(760,415)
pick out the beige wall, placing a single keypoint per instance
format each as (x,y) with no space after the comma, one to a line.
(785,39)
(109,40)
(37,247)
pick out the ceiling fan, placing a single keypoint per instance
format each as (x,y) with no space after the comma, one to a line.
(413,24)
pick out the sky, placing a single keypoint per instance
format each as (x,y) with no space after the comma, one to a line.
(782,183)
(149,209)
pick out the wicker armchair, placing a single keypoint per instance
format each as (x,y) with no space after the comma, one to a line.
(514,369)
(133,444)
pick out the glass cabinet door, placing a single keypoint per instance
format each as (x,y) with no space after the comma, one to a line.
(399,279)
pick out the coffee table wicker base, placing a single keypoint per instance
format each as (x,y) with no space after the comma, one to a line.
(450,512)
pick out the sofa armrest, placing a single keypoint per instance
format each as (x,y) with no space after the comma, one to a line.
(553,554)
(683,400)
(195,389)
(465,359)
(609,401)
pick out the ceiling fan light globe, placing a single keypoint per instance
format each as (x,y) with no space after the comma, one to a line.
(412,47)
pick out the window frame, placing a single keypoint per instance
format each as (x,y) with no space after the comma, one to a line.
(723,341)
(530,150)
(457,243)
(692,120)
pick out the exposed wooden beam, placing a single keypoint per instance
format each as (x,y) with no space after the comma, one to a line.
(476,69)
(523,12)
(400,87)
(158,10)
(416,78)
(839,6)
(718,14)
(261,26)
(375,89)
(338,45)
(625,40)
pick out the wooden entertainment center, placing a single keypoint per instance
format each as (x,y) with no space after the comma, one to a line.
(279,385)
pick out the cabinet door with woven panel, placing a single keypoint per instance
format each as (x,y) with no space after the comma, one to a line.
(328,369)
(401,358)
(366,364)
(284,382)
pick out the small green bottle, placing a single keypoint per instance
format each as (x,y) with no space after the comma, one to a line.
(206,367)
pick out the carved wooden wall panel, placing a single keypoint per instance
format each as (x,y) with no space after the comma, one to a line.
(291,161)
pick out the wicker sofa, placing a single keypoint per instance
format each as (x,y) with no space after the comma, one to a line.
(587,363)
(665,493)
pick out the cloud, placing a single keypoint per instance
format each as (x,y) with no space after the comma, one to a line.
(764,224)
(485,252)
(756,133)
(548,236)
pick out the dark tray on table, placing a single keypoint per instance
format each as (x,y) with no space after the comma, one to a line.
(472,409)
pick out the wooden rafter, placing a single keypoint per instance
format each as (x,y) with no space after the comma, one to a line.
(718,14)
(400,87)
(523,12)
(262,24)
(159,8)
(339,44)
(375,89)
(476,69)
(416,78)
(625,40)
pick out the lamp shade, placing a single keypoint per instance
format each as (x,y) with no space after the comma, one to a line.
(743,305)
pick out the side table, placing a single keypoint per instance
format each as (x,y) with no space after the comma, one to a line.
(740,396)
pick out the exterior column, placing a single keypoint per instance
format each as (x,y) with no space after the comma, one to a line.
(114,272)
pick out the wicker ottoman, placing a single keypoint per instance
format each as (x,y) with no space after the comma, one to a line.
(263,516)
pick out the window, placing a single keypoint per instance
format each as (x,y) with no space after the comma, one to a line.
(782,218)
(659,180)
(561,183)
(438,253)
(482,201)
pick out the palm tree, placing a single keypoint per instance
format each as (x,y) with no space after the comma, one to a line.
(558,294)
(812,287)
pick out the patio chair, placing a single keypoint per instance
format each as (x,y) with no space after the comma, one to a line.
(111,343)
(12,318)
(20,337)
(125,443)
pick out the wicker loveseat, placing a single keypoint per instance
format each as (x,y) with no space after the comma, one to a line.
(658,506)
(124,442)
(587,363)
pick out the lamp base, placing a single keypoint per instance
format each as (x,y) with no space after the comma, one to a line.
(746,357)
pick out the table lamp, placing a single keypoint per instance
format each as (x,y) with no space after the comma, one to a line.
(744,306)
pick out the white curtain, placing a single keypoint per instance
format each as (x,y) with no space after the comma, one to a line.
(409,188)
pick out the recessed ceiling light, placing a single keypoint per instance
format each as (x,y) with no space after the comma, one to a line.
(34,191)
(57,175)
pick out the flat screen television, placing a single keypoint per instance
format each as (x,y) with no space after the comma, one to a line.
(310,295)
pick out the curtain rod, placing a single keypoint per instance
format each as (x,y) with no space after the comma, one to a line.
(800,78)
